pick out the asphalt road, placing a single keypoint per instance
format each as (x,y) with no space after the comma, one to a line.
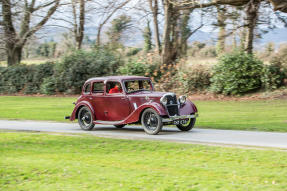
(202,136)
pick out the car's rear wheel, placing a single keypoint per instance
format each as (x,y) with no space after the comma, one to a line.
(119,126)
(188,126)
(85,119)
(151,121)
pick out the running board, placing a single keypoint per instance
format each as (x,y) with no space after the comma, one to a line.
(108,122)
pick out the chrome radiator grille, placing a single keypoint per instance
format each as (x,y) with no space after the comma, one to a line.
(172,106)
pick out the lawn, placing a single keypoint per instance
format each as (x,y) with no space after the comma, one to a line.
(31,161)
(30,61)
(264,115)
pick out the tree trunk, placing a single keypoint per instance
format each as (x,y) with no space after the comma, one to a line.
(252,15)
(185,32)
(222,33)
(81,24)
(243,39)
(154,9)
(14,55)
(15,40)
(166,46)
(98,41)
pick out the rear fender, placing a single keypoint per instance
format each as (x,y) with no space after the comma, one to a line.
(78,107)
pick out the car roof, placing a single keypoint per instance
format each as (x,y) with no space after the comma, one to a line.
(120,78)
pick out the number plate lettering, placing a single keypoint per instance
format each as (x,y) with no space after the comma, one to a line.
(180,121)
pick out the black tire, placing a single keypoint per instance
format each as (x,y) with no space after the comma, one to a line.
(187,126)
(151,121)
(119,126)
(85,119)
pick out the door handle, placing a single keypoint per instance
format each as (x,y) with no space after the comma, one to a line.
(123,98)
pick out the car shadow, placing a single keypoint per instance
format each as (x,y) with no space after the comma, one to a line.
(165,130)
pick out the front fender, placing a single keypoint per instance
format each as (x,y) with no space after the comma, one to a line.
(136,114)
(74,114)
(187,108)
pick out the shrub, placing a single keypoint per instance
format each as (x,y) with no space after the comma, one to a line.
(24,78)
(75,69)
(208,51)
(237,73)
(34,80)
(133,51)
(13,79)
(134,68)
(196,78)
(48,86)
(273,75)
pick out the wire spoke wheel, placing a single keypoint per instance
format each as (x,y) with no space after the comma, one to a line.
(151,121)
(188,126)
(85,119)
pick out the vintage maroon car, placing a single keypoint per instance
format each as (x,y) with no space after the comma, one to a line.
(121,100)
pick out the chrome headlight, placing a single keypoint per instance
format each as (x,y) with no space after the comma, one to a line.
(182,100)
(163,100)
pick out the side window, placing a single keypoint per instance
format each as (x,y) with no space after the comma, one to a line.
(114,87)
(98,87)
(87,88)
(132,85)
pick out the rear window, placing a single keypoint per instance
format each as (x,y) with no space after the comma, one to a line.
(98,87)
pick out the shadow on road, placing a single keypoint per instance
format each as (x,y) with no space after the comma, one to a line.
(134,129)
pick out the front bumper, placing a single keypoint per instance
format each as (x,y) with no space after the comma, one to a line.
(173,118)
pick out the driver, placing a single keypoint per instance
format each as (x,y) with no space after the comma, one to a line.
(115,89)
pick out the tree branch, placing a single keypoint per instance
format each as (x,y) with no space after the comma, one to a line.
(194,31)
(43,6)
(279,5)
(34,29)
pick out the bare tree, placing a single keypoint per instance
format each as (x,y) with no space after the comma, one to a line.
(16,34)
(153,4)
(252,16)
(176,32)
(79,21)
(221,23)
(278,5)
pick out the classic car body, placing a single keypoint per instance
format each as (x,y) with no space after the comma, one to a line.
(133,96)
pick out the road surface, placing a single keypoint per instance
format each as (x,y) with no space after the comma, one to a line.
(202,136)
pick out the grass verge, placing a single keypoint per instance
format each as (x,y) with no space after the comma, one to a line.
(56,162)
(264,115)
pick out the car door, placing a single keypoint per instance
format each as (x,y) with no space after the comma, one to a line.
(98,100)
(118,105)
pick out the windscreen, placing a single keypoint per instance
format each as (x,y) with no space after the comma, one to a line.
(138,85)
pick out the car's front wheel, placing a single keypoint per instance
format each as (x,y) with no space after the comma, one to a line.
(151,121)
(188,126)
(85,119)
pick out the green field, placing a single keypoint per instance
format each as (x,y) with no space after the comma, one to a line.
(30,61)
(267,115)
(31,161)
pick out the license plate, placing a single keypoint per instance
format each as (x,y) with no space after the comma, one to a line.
(180,121)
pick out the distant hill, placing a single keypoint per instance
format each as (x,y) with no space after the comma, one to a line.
(134,38)
(277,36)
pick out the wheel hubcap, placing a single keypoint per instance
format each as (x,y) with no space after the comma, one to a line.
(150,121)
(86,118)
